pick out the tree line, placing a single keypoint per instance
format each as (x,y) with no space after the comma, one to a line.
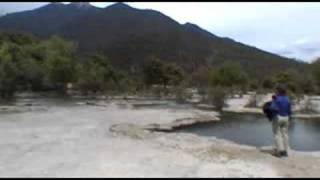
(31,64)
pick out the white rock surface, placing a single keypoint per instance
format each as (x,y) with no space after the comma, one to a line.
(75,141)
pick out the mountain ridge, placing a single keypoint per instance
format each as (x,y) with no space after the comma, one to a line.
(129,36)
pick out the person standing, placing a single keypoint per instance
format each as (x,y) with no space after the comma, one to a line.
(280,124)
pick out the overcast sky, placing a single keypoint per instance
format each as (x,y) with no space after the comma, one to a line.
(290,29)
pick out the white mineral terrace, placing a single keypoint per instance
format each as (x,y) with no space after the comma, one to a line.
(110,139)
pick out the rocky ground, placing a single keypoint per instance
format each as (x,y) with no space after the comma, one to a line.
(239,105)
(112,139)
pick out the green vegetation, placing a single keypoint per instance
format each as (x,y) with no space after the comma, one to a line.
(8,72)
(160,75)
(229,75)
(27,63)
(217,96)
(31,64)
(216,84)
(157,72)
(315,67)
(95,74)
(59,62)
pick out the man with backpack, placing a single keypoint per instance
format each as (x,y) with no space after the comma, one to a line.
(279,112)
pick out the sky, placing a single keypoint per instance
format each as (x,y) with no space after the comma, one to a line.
(289,29)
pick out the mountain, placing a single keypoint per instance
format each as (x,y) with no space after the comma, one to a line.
(128,36)
(44,20)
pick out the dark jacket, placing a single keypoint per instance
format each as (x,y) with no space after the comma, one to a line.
(268,111)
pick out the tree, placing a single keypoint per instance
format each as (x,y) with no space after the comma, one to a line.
(268,83)
(20,48)
(31,76)
(315,68)
(95,74)
(308,84)
(200,78)
(8,71)
(217,96)
(153,72)
(173,74)
(60,62)
(229,75)
(157,72)
(297,82)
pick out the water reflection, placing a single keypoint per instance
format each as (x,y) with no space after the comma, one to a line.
(256,130)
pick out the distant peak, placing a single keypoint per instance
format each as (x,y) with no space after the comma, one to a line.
(81,4)
(191,24)
(119,5)
(57,3)
(195,27)
(52,5)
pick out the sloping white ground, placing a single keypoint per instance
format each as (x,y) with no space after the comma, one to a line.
(75,141)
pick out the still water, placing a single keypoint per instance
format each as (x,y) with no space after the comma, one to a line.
(256,130)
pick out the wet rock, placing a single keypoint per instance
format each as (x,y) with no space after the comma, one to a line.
(204,107)
(306,116)
(178,123)
(23,108)
(90,103)
(243,110)
(127,129)
(149,104)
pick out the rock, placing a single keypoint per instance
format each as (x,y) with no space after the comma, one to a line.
(205,107)
(127,129)
(178,123)
(92,103)
(306,116)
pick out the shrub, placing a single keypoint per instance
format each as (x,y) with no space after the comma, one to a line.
(8,72)
(229,75)
(217,97)
(157,72)
(96,75)
(181,93)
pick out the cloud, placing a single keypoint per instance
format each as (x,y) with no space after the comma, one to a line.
(306,48)
(302,41)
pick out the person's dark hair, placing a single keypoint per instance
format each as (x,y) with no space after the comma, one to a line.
(281,89)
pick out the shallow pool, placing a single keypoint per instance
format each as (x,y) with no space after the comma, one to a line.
(256,130)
